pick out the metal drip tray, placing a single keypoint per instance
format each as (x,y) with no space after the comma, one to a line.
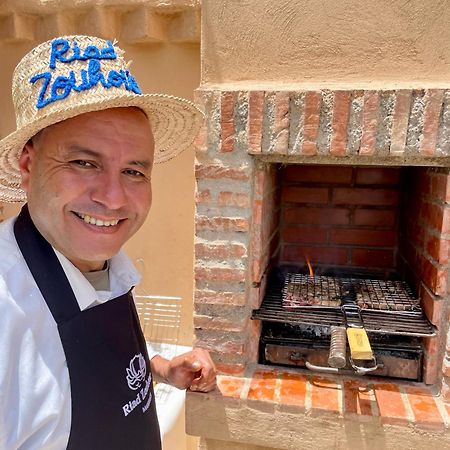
(293,345)
(387,307)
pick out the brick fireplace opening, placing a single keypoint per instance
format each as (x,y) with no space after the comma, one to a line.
(351,180)
(386,222)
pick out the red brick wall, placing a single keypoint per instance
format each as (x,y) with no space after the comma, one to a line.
(424,254)
(340,216)
(265,227)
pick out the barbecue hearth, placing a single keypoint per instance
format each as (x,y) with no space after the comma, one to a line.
(384,230)
(313,148)
(299,310)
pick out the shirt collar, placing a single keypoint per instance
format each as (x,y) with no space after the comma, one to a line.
(122,275)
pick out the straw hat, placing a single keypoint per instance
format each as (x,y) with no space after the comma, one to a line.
(71,75)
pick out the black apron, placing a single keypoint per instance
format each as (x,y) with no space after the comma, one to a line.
(113,406)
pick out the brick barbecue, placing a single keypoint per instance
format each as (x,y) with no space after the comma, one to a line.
(351,180)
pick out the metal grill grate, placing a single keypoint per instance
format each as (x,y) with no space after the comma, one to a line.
(402,322)
(308,291)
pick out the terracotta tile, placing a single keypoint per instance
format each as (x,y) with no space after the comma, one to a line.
(358,398)
(262,386)
(280,134)
(236,370)
(341,113)
(370,122)
(400,121)
(227,133)
(255,112)
(293,389)
(313,101)
(433,106)
(325,394)
(390,404)
(424,407)
(230,386)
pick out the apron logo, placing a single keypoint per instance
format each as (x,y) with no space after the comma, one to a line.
(136,373)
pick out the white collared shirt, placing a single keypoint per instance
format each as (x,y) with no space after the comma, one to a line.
(35,400)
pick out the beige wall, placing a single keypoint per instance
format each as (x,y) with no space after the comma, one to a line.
(325,42)
(167,238)
(165,242)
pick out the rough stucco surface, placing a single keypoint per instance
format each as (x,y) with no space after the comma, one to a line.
(330,43)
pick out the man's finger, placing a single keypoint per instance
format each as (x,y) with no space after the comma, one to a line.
(203,386)
(196,365)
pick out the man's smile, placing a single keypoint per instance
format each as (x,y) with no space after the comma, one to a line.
(98,222)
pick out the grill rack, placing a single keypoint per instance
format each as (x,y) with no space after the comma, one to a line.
(311,291)
(379,321)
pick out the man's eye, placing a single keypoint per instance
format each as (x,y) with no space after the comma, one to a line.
(82,163)
(133,173)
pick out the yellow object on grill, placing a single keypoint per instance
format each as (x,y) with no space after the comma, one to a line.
(359,343)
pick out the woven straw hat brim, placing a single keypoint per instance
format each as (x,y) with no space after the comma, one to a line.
(175,123)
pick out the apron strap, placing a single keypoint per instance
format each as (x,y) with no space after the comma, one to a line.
(49,276)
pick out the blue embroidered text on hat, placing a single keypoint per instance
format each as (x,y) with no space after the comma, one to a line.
(62,86)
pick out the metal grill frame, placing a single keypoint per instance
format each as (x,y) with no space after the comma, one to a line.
(400,323)
(373,294)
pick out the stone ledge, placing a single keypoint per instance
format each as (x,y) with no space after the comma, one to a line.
(354,160)
(132,21)
(54,6)
(289,410)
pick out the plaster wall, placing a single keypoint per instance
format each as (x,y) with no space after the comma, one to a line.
(165,242)
(259,44)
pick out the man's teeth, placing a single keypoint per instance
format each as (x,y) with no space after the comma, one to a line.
(98,222)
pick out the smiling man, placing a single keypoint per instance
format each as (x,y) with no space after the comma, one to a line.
(88,183)
(74,368)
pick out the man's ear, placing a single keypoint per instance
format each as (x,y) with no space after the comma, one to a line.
(25,162)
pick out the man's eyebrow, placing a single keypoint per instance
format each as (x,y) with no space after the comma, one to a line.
(77,151)
(145,164)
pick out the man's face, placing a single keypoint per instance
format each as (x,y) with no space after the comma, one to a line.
(88,183)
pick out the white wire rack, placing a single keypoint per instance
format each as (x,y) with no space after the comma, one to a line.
(160,318)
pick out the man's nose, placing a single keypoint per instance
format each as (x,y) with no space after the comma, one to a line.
(109,191)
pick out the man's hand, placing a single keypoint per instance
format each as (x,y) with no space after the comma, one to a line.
(192,370)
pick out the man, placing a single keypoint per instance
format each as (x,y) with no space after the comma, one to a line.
(74,369)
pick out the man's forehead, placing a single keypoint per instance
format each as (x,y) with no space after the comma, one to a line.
(129,113)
